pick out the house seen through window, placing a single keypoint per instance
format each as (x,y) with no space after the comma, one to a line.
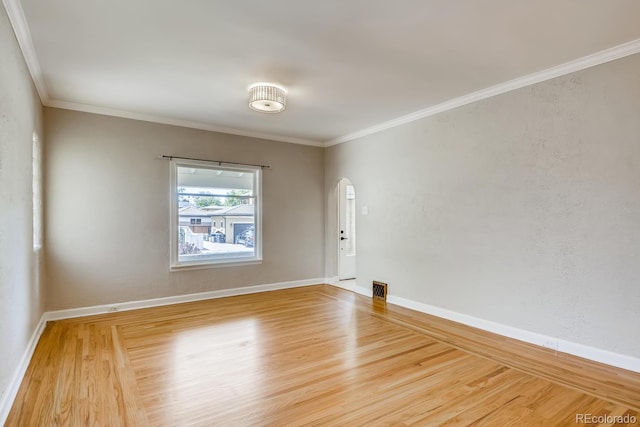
(215,214)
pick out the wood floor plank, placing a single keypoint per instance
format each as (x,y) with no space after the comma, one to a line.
(316,355)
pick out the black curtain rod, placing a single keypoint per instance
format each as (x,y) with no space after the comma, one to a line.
(219,162)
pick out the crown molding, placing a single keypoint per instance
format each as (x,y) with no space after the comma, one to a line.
(607,55)
(176,122)
(23,35)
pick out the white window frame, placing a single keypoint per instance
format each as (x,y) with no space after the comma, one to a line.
(175,264)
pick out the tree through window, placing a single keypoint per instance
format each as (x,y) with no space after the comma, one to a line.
(215,214)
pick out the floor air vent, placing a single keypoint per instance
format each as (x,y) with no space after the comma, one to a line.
(379,290)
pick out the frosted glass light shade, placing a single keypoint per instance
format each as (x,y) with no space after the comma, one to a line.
(267,98)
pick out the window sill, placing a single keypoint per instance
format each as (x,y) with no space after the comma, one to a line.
(202,266)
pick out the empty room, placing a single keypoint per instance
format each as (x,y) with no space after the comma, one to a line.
(338,213)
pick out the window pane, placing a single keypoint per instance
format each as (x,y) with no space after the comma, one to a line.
(350,224)
(210,196)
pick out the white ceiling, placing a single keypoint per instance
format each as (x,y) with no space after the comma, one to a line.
(349,65)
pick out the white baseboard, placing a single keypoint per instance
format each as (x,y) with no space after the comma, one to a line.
(587,352)
(14,385)
(157,302)
(576,349)
(12,390)
(367,292)
(350,285)
(331,280)
(595,354)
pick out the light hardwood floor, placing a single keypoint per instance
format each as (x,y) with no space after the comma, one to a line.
(308,356)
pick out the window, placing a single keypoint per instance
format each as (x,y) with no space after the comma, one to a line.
(202,191)
(350,221)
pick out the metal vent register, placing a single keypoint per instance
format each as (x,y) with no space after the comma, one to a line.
(379,290)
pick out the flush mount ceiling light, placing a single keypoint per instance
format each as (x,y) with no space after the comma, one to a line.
(267,98)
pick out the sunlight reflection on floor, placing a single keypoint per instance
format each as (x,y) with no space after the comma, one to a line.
(219,359)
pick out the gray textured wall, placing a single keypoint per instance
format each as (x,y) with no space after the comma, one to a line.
(21,289)
(108,210)
(523,209)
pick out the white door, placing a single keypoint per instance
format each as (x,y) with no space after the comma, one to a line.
(346,230)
